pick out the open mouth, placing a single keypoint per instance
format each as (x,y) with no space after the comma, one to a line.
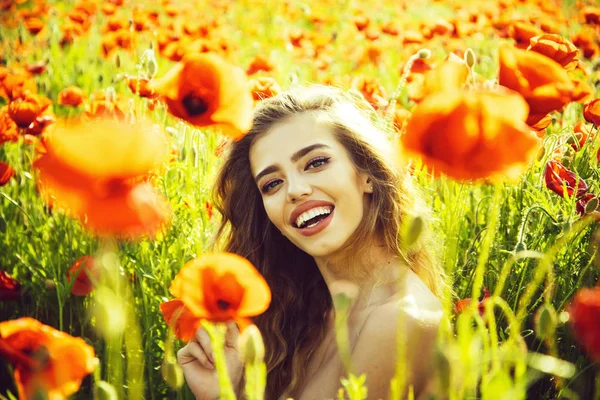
(313,217)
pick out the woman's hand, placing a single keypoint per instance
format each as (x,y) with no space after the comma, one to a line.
(197,361)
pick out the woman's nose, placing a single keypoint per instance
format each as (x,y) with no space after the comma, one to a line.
(297,188)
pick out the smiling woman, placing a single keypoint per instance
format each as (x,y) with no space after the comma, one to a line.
(315,194)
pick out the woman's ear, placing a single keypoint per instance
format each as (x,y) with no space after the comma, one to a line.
(368,184)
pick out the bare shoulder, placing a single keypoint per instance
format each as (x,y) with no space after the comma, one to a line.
(412,316)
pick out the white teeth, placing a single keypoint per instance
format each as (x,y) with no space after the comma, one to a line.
(313,212)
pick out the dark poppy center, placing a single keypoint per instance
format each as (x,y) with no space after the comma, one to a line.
(194,105)
(223,305)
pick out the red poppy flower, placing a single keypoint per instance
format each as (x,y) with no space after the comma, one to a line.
(591,112)
(45,359)
(205,90)
(259,63)
(216,287)
(6,172)
(582,132)
(36,68)
(543,82)
(465,303)
(558,179)
(10,288)
(26,109)
(71,96)
(264,87)
(86,273)
(584,312)
(557,48)
(139,86)
(39,125)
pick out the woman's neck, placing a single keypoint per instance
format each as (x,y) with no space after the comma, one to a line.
(375,275)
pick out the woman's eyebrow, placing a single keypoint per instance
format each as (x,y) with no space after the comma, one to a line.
(295,157)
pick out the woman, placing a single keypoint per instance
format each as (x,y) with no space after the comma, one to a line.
(314,194)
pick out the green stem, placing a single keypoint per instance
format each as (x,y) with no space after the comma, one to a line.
(487,244)
(216,332)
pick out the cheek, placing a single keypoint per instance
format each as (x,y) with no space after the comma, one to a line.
(274,210)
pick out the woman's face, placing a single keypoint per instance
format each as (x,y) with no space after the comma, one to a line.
(310,189)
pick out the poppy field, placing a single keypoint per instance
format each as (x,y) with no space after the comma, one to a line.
(114,118)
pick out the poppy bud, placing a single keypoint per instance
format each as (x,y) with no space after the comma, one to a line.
(252,348)
(424,53)
(105,391)
(470,58)
(343,295)
(591,206)
(413,231)
(10,288)
(151,64)
(172,372)
(545,320)
(540,153)
(118,60)
(50,284)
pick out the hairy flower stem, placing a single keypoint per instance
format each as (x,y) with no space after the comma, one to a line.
(216,332)
(389,114)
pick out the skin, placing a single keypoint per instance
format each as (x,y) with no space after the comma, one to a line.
(392,296)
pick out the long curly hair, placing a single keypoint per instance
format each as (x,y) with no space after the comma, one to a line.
(295,322)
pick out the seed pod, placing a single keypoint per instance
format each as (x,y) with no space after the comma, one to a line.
(545,320)
(470,58)
(252,348)
(591,206)
(424,53)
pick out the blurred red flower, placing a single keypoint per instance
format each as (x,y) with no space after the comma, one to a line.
(205,90)
(107,194)
(10,288)
(470,135)
(45,359)
(86,272)
(584,312)
(71,96)
(6,172)
(465,303)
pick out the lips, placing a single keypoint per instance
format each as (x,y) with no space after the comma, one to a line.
(305,207)
(313,230)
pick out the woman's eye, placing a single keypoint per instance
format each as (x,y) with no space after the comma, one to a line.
(269,186)
(317,162)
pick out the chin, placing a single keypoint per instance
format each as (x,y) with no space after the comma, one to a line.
(320,249)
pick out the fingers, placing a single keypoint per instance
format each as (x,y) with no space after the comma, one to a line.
(232,335)
(193,352)
(204,341)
